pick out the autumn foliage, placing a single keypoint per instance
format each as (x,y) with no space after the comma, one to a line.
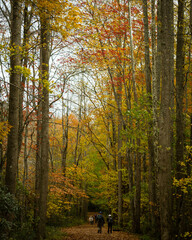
(106,113)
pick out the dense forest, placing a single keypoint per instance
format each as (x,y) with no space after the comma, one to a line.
(96,114)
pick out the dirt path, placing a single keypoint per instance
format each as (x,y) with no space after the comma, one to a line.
(89,232)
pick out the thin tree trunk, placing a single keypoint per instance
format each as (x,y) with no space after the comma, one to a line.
(179,112)
(23,80)
(146,41)
(132,55)
(65,127)
(138,189)
(114,142)
(25,174)
(78,135)
(13,118)
(152,195)
(157,74)
(38,157)
(129,158)
(22,86)
(136,220)
(156,77)
(2,119)
(119,156)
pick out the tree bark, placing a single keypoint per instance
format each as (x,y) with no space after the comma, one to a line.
(132,55)
(146,42)
(44,164)
(129,158)
(13,117)
(190,156)
(179,112)
(119,156)
(25,173)
(155,119)
(136,219)
(138,188)
(78,134)
(65,127)
(165,178)
(38,157)
(158,61)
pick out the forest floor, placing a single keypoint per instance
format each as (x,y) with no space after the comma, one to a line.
(89,232)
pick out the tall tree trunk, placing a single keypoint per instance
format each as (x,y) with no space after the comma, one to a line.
(156,79)
(179,112)
(23,80)
(2,119)
(129,158)
(78,134)
(158,61)
(165,178)
(138,188)
(118,99)
(25,174)
(15,76)
(155,100)
(44,165)
(136,220)
(119,156)
(146,41)
(21,95)
(132,55)
(114,141)
(152,184)
(38,157)
(119,128)
(1,145)
(190,156)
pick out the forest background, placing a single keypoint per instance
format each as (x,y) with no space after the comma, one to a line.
(95,103)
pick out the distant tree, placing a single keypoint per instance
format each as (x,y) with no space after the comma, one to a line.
(65,136)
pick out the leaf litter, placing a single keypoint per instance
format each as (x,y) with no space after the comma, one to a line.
(89,232)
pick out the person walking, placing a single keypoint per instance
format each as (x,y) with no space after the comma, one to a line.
(110,223)
(100,222)
(91,220)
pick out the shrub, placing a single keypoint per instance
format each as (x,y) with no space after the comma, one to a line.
(11,226)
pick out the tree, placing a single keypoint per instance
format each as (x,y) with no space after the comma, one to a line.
(65,131)
(155,99)
(15,75)
(44,159)
(165,166)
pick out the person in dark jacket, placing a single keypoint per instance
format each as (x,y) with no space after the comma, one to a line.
(110,223)
(100,222)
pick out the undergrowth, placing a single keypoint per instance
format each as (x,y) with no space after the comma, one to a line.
(56,231)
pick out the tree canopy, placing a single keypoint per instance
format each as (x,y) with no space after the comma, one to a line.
(95,114)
